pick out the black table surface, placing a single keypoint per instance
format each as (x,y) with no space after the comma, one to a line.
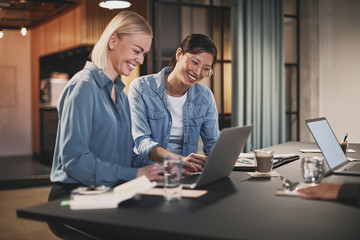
(238,207)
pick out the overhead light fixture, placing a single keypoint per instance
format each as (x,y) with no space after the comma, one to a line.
(23,31)
(1,33)
(23,28)
(114,4)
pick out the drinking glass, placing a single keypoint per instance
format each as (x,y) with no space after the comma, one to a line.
(312,169)
(172,176)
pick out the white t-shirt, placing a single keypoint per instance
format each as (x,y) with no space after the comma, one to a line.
(177,129)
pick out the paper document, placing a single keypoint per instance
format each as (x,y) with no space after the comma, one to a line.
(247,159)
(187,193)
(112,198)
(319,151)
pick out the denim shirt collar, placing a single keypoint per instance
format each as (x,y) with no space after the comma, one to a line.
(101,79)
(158,85)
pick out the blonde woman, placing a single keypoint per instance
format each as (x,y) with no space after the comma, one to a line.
(94,144)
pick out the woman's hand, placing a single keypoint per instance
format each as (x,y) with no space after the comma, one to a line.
(327,191)
(195,158)
(190,167)
(193,162)
(152,172)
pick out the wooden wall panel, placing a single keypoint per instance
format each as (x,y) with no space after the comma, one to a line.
(70,29)
(37,47)
(78,28)
(67,30)
(95,21)
(52,36)
(38,41)
(141,7)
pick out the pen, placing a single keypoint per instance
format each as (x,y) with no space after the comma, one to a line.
(252,149)
(345,137)
(64,203)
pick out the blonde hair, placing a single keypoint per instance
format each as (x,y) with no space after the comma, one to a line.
(125,22)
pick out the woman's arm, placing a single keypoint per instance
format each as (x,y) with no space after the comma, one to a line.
(328,191)
(189,163)
(343,192)
(141,130)
(210,128)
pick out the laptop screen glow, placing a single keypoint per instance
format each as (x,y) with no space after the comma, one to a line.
(327,142)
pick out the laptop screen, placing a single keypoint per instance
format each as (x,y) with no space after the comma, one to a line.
(327,142)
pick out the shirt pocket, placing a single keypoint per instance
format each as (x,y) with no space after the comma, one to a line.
(157,123)
(156,114)
(198,112)
(194,130)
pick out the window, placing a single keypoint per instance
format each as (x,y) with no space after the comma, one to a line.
(291,56)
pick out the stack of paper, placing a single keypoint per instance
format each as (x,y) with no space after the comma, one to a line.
(112,198)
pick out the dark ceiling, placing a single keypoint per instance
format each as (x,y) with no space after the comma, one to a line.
(28,13)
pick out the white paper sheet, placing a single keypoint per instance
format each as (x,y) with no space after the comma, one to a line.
(113,198)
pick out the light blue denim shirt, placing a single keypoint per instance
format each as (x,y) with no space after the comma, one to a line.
(94,145)
(152,119)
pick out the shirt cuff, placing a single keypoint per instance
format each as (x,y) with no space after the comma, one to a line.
(145,147)
(349,192)
(148,162)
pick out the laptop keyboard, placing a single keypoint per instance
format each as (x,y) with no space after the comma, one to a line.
(186,179)
(353,168)
(190,179)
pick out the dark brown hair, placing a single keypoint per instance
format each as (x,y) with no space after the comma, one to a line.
(194,44)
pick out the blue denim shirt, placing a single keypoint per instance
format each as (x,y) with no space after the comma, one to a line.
(94,145)
(152,119)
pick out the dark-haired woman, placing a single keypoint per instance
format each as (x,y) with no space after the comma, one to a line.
(170,109)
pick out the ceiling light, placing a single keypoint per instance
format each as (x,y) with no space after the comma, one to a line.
(23,28)
(114,4)
(23,31)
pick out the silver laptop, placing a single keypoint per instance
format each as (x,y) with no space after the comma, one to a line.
(330,148)
(222,158)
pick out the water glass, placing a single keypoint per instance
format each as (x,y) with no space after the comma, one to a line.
(172,176)
(312,169)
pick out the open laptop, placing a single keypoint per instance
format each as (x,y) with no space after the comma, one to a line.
(330,148)
(222,158)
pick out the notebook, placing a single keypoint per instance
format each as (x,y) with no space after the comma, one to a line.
(222,158)
(330,148)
